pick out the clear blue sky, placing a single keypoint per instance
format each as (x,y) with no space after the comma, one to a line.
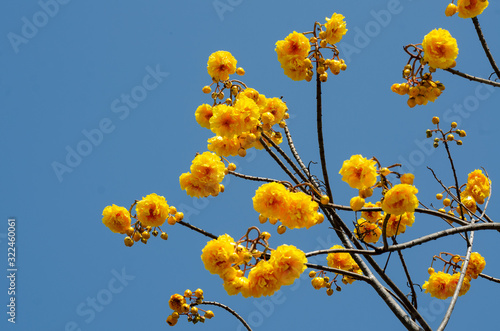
(64,85)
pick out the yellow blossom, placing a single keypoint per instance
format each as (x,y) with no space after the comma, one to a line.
(237,285)
(207,172)
(335,28)
(359,172)
(357,203)
(152,210)
(276,107)
(453,282)
(478,186)
(407,179)
(437,285)
(203,114)
(476,265)
(296,67)
(220,65)
(116,218)
(270,200)
(343,261)
(396,224)
(371,216)
(288,262)
(300,211)
(471,8)
(216,256)
(366,231)
(400,199)
(176,302)
(263,280)
(224,146)
(295,44)
(440,49)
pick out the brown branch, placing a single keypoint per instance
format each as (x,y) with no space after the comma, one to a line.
(473,78)
(485,46)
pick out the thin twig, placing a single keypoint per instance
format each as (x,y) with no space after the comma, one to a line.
(192,227)
(286,157)
(321,145)
(340,271)
(280,163)
(234,313)
(496,280)
(408,277)
(485,46)
(473,78)
(254,178)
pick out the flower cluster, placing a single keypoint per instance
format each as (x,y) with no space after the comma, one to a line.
(442,285)
(178,303)
(207,172)
(239,120)
(466,8)
(294,209)
(151,212)
(345,262)
(439,50)
(295,56)
(224,257)
(478,186)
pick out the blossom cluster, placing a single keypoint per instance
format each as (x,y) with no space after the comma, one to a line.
(239,120)
(180,306)
(294,52)
(207,173)
(295,210)
(151,212)
(466,8)
(224,257)
(439,50)
(442,285)
(343,261)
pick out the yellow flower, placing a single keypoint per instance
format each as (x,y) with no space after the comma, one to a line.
(400,199)
(440,49)
(359,172)
(208,168)
(371,216)
(335,28)
(369,232)
(223,146)
(478,186)
(116,218)
(226,121)
(207,172)
(437,285)
(476,265)
(203,114)
(300,211)
(468,202)
(296,67)
(294,44)
(343,261)
(263,280)
(270,200)
(216,256)
(407,178)
(220,65)
(152,210)
(237,285)
(288,263)
(396,224)
(248,113)
(471,8)
(176,301)
(453,282)
(276,107)
(357,203)
(251,93)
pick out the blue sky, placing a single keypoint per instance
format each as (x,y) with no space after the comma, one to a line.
(65,87)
